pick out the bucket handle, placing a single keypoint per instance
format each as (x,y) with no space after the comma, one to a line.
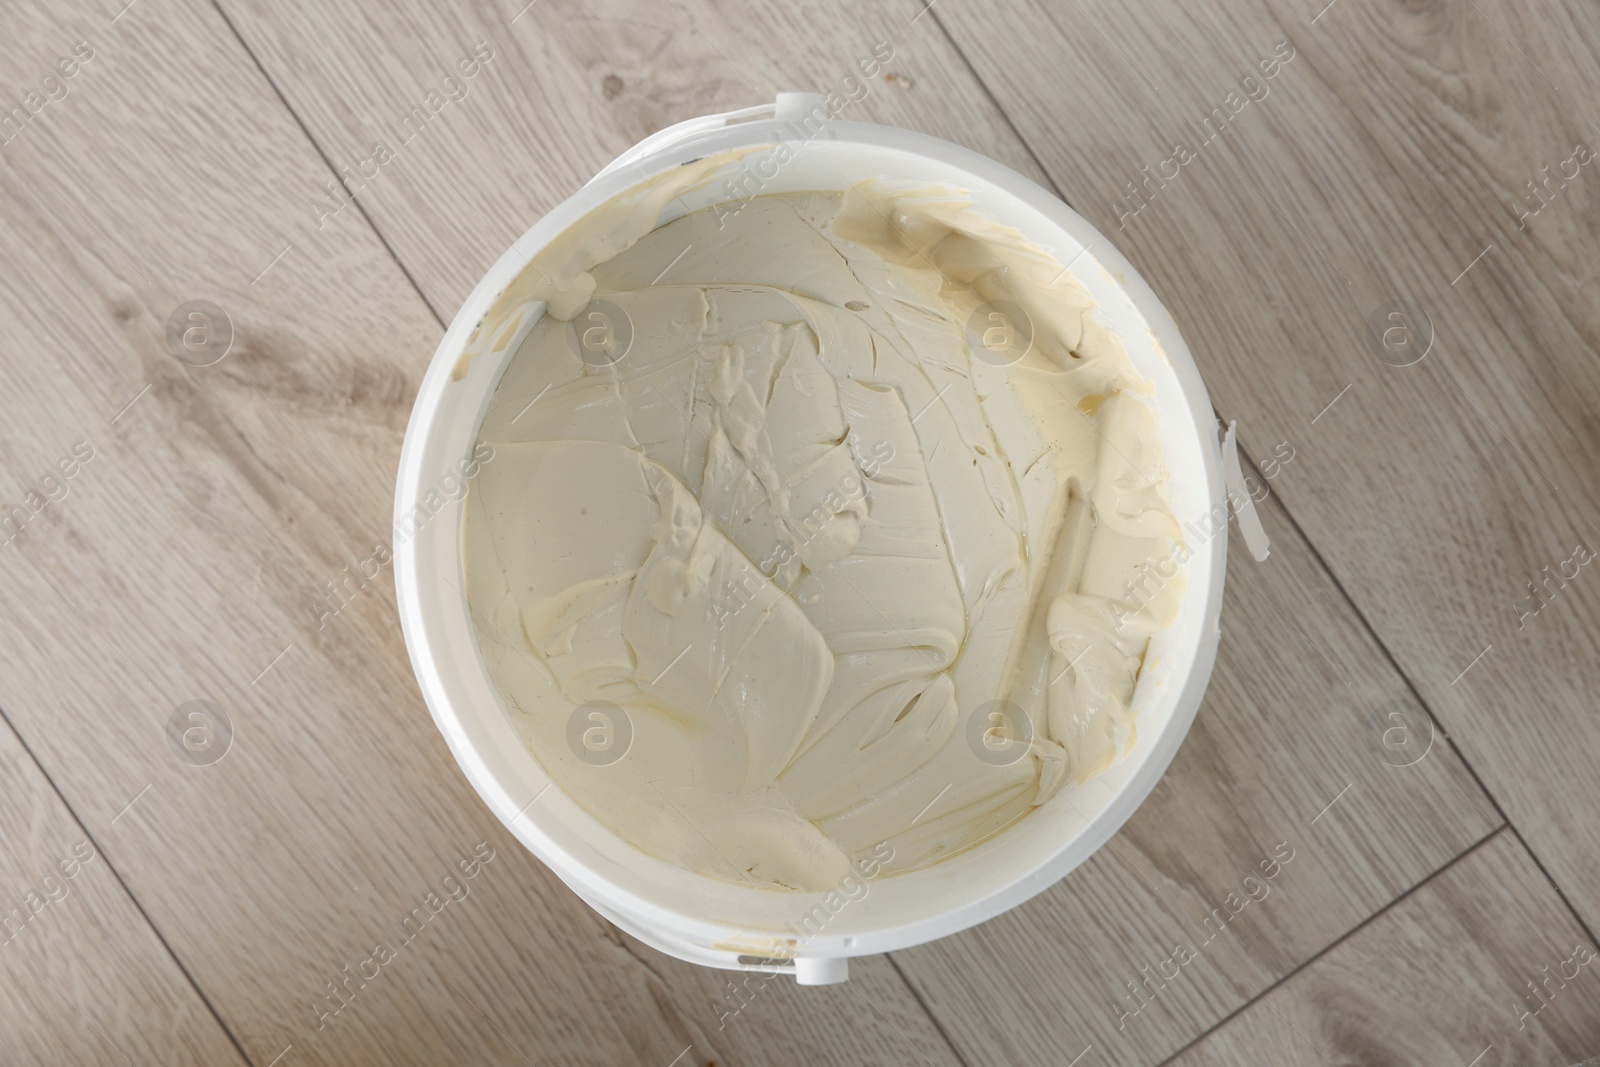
(787,105)
(805,969)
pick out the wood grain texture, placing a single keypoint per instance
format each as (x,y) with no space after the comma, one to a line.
(1482,965)
(568,89)
(1387,157)
(84,977)
(188,557)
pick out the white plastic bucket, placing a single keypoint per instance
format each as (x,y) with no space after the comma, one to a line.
(707,920)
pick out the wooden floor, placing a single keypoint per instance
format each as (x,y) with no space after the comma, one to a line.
(177,522)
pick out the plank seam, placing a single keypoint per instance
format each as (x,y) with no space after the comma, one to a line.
(1411,687)
(126,889)
(1242,1008)
(327,162)
(923,1004)
(1003,113)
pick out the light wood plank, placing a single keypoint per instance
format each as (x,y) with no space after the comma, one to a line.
(1390,155)
(85,978)
(188,559)
(570,87)
(1483,965)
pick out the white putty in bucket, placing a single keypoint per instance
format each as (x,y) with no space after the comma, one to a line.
(814,527)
